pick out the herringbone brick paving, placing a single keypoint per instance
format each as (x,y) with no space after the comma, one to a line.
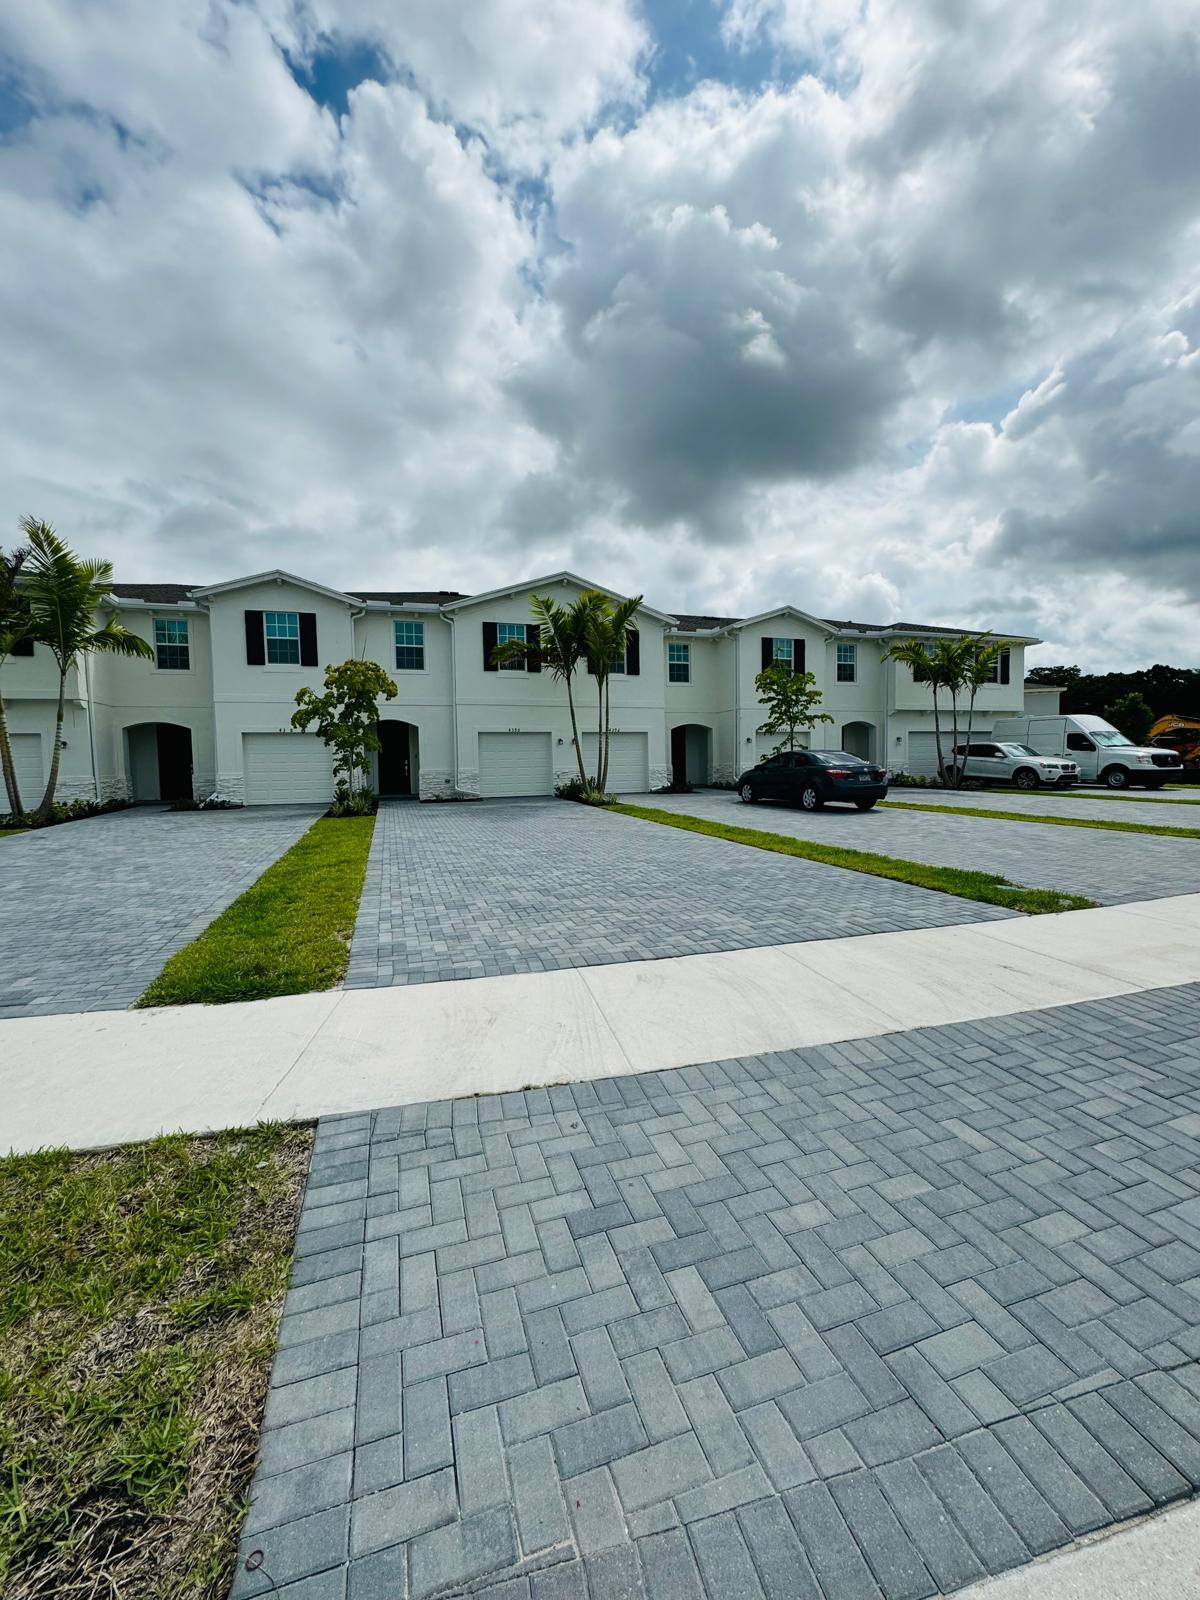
(485,890)
(869,1319)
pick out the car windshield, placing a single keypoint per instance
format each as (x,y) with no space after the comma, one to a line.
(1018,750)
(1107,736)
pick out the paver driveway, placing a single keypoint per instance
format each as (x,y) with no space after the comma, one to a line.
(528,886)
(1106,867)
(94,908)
(1092,804)
(867,1319)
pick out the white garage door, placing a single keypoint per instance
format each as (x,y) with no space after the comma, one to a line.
(31,779)
(922,749)
(515,763)
(285,768)
(628,761)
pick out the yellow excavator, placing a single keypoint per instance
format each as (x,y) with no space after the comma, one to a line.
(1181,734)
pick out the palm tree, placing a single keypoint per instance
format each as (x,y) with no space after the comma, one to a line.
(14,626)
(608,633)
(562,635)
(64,592)
(981,660)
(947,666)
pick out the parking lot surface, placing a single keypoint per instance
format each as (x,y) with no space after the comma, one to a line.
(875,1319)
(1109,868)
(94,908)
(529,886)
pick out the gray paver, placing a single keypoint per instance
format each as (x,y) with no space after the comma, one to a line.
(105,902)
(913,1426)
(536,886)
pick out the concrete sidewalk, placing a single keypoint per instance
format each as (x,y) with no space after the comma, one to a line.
(105,1077)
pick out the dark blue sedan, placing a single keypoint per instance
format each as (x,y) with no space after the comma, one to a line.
(814,777)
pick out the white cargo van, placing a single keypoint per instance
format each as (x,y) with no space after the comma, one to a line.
(1102,754)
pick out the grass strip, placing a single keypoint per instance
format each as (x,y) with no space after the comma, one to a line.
(1157,830)
(142,1292)
(1176,797)
(986,886)
(4,831)
(288,934)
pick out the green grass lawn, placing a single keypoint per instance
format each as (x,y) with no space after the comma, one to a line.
(4,831)
(288,934)
(142,1291)
(1177,795)
(986,886)
(1104,824)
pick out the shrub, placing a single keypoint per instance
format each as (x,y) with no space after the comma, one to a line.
(676,786)
(584,793)
(916,780)
(349,802)
(65,811)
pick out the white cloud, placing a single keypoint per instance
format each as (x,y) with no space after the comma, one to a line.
(911,332)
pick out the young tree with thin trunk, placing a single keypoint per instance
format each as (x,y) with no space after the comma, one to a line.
(14,627)
(64,593)
(981,661)
(791,699)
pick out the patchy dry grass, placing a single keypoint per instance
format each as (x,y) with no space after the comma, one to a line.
(142,1290)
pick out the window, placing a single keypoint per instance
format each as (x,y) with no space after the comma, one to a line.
(504,632)
(618,664)
(1079,741)
(283,637)
(410,646)
(171,651)
(679,663)
(781,651)
(847,663)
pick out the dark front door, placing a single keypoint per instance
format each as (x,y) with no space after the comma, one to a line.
(679,755)
(174,762)
(394,774)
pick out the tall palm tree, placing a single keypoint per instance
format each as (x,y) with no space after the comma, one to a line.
(981,659)
(14,626)
(561,647)
(64,592)
(944,667)
(608,633)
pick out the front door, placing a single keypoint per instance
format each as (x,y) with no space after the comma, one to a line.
(679,756)
(394,773)
(174,762)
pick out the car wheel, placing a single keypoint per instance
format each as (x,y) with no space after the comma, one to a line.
(747,793)
(864,805)
(1115,777)
(1026,778)
(809,798)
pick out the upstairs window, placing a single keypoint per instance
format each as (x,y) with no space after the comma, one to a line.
(781,652)
(410,646)
(847,663)
(679,663)
(506,631)
(283,637)
(172,651)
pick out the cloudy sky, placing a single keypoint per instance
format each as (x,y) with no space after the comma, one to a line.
(889,308)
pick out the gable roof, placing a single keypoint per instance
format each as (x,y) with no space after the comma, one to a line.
(541,583)
(409,597)
(275,575)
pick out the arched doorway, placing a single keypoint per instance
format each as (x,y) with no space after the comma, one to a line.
(158,759)
(691,753)
(397,759)
(858,739)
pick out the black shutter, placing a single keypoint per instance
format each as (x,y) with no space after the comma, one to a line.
(633,653)
(256,646)
(768,653)
(797,655)
(489,645)
(308,638)
(533,636)
(23,647)
(1005,666)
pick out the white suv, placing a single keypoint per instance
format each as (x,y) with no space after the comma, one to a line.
(1014,763)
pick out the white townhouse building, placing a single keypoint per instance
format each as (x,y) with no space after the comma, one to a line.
(212,709)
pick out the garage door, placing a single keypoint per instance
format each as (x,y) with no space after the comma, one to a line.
(922,750)
(515,763)
(31,779)
(628,761)
(284,768)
